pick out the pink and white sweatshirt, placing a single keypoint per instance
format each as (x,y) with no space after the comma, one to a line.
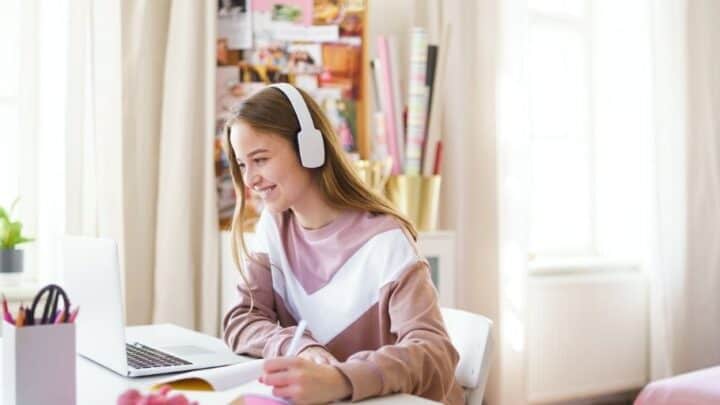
(366,295)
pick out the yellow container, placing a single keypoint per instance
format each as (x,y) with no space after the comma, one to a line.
(417,197)
(374,173)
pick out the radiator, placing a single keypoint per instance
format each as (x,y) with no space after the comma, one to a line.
(587,335)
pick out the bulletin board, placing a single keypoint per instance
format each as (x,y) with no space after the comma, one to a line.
(317,45)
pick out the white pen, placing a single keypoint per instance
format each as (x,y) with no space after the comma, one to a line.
(296,338)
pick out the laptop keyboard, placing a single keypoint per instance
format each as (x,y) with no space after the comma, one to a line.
(141,356)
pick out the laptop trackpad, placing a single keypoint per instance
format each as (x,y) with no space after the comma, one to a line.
(186,350)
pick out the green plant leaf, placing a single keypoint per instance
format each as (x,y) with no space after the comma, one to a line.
(15,232)
(24,240)
(12,206)
(4,232)
(11,231)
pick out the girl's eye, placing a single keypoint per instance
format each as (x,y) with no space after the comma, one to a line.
(260,160)
(241,166)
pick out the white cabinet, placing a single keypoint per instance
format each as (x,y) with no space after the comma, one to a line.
(439,249)
(437,246)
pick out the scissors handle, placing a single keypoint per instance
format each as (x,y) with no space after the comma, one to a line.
(51,303)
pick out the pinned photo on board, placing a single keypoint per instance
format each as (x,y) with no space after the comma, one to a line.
(305,58)
(342,68)
(234,94)
(347,14)
(224,55)
(289,11)
(234,23)
(342,114)
(288,20)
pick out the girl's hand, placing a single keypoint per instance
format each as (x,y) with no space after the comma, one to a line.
(305,382)
(318,354)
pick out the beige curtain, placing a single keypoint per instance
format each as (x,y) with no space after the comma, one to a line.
(702,342)
(470,189)
(186,243)
(144,38)
(140,161)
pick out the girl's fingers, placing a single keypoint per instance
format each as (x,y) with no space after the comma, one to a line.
(279,379)
(280,364)
(287,392)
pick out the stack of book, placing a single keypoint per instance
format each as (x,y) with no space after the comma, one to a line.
(414,143)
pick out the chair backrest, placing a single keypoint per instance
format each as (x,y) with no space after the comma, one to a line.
(470,334)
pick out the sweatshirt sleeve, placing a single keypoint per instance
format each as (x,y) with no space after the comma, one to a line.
(422,361)
(257,332)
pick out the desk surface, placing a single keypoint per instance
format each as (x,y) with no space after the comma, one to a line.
(98,385)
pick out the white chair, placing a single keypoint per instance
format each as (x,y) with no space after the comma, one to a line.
(470,334)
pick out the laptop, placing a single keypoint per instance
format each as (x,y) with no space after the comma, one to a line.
(91,277)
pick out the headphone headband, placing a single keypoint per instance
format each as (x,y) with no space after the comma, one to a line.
(298,104)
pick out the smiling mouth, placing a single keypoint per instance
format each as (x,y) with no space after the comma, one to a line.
(263,192)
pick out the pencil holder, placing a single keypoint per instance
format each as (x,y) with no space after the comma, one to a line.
(429,203)
(417,197)
(374,173)
(39,364)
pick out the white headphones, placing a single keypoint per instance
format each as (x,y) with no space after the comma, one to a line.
(310,141)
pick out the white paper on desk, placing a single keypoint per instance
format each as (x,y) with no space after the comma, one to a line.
(216,379)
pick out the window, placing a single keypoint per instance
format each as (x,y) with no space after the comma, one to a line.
(32,110)
(559,61)
(589,109)
(10,105)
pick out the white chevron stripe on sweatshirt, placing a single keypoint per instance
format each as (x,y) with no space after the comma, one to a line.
(352,290)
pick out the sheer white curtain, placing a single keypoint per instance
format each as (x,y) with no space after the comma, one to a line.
(665,258)
(139,130)
(684,258)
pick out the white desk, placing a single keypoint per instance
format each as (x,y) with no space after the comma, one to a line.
(98,385)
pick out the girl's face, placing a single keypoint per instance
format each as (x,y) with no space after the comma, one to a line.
(270,167)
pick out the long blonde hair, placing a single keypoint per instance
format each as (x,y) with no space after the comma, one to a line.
(269,111)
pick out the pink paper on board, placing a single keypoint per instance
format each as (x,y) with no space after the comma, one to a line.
(305,5)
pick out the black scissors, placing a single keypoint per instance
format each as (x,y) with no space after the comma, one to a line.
(52,292)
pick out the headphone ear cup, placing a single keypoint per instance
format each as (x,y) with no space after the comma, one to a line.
(311,148)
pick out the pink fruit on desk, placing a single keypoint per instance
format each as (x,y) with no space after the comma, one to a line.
(179,399)
(134,397)
(129,397)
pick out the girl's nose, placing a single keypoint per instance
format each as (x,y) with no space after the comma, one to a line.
(252,178)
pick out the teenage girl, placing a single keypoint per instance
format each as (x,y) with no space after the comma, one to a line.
(329,251)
